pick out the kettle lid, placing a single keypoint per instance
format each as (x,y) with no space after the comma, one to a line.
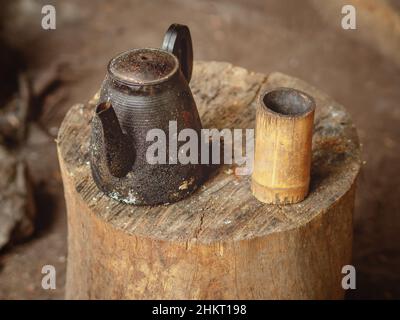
(143,66)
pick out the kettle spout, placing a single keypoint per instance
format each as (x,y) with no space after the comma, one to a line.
(118,147)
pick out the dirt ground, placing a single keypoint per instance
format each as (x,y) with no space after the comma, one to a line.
(300,38)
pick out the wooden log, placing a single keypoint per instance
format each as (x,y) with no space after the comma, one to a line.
(221,242)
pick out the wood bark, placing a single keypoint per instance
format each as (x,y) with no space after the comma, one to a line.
(221,242)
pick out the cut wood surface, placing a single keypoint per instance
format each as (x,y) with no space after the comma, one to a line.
(221,242)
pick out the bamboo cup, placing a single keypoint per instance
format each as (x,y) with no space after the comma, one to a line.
(282,159)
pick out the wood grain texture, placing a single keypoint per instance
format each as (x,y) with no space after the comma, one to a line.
(220,243)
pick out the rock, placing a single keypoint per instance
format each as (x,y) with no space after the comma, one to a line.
(14,115)
(17,210)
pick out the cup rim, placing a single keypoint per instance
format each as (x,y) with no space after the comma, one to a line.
(310,108)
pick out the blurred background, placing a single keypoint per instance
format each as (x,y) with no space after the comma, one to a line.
(44,72)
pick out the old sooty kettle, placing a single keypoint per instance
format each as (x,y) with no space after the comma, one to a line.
(146,89)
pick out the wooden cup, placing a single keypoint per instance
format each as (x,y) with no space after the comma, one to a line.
(282,159)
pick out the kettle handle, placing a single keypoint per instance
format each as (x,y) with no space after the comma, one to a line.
(177,40)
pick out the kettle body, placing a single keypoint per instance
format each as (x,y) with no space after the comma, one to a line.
(145,100)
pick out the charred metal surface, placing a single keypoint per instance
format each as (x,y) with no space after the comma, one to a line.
(144,89)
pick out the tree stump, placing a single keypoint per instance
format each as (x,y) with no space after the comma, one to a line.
(219,243)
